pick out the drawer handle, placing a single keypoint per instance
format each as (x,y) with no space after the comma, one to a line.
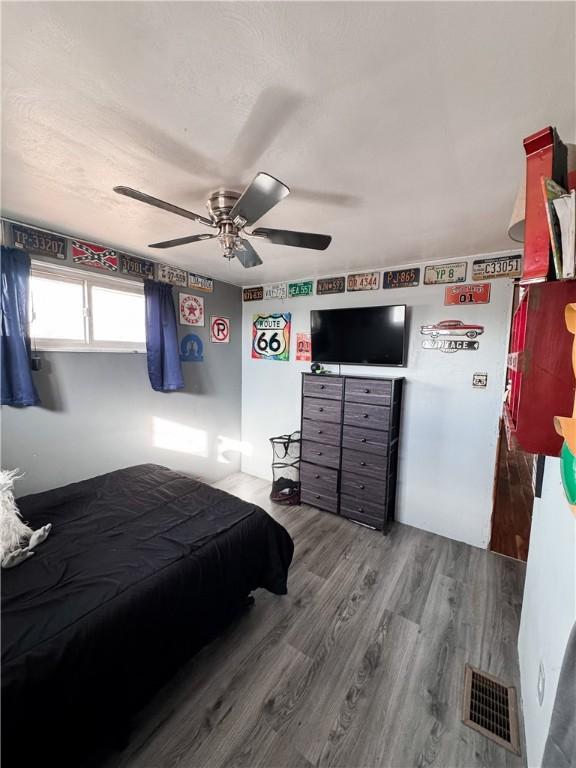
(317,477)
(364,415)
(362,486)
(366,391)
(319,431)
(322,386)
(318,453)
(360,509)
(320,409)
(317,496)
(362,463)
(362,439)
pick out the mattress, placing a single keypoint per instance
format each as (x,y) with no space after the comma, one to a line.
(143,567)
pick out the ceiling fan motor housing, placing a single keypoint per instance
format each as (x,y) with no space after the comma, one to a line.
(220,203)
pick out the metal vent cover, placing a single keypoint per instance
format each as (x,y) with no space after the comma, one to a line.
(491,708)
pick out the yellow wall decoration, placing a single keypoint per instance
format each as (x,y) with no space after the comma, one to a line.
(566,426)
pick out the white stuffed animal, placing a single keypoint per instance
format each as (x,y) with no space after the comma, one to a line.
(17,540)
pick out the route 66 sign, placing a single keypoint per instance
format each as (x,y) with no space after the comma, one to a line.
(271,336)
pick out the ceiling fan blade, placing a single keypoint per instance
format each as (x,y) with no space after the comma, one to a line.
(181,241)
(297,239)
(143,198)
(262,194)
(246,255)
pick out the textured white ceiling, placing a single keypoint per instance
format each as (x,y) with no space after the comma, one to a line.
(398,126)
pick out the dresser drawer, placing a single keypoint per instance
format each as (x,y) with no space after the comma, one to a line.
(323,386)
(321,432)
(369,514)
(318,453)
(363,488)
(362,463)
(315,479)
(371,391)
(369,440)
(366,416)
(322,410)
(320,500)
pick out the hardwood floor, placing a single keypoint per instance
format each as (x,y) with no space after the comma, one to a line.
(513,502)
(361,664)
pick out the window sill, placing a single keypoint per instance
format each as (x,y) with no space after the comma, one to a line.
(122,351)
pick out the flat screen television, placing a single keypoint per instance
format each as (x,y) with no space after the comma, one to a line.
(359,335)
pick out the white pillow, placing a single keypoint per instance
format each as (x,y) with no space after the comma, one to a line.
(16,538)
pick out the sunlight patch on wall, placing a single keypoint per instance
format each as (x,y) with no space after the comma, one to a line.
(179,437)
(227,445)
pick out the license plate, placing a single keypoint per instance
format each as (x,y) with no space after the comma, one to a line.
(499,266)
(445,273)
(36,241)
(401,278)
(364,281)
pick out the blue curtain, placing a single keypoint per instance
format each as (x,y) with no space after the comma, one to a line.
(164,367)
(17,387)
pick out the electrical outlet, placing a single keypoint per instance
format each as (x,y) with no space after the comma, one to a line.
(540,687)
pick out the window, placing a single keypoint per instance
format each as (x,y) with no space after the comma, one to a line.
(73,311)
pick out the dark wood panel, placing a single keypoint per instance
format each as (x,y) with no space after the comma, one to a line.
(363,463)
(319,479)
(323,386)
(317,453)
(321,431)
(365,488)
(322,410)
(371,391)
(320,500)
(369,440)
(366,416)
(363,512)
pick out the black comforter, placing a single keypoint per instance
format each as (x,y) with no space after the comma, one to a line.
(142,567)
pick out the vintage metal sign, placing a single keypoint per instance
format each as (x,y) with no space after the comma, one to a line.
(220,329)
(133,265)
(302,288)
(451,345)
(467,294)
(497,266)
(34,241)
(191,349)
(91,255)
(200,283)
(173,275)
(303,347)
(325,285)
(445,273)
(253,294)
(191,309)
(271,336)
(452,328)
(276,291)
(363,281)
(479,380)
(401,278)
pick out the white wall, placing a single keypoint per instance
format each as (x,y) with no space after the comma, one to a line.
(449,430)
(549,606)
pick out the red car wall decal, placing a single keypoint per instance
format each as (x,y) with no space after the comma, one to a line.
(438,332)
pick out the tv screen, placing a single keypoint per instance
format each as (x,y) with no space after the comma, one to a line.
(359,336)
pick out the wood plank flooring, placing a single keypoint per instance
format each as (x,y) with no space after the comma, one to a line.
(359,666)
(513,502)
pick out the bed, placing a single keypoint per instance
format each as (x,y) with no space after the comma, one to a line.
(142,568)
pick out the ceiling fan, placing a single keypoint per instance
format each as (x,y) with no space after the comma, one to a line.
(230,213)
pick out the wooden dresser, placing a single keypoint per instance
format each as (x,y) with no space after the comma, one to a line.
(350,431)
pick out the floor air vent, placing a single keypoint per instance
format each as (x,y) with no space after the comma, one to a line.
(491,708)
